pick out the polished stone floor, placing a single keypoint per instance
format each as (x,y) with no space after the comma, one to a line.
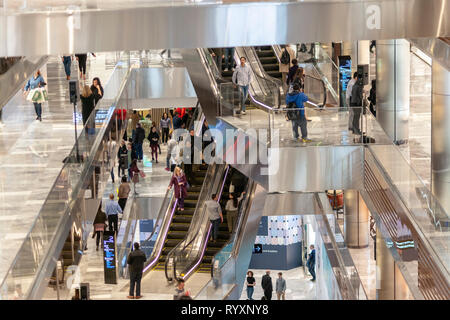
(298,285)
(31,152)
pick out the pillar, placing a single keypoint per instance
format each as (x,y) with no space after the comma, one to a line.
(358,50)
(440,135)
(385,270)
(393,79)
(356,220)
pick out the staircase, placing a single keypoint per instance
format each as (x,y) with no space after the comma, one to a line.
(182,219)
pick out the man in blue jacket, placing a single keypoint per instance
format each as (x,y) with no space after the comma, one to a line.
(311,263)
(298,98)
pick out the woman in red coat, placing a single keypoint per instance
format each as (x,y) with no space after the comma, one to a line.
(179,181)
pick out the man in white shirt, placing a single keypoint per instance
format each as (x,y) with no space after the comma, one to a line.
(242,77)
(348,95)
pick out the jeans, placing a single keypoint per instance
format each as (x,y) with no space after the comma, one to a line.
(229,58)
(165,134)
(38,109)
(250,292)
(181,202)
(168,161)
(231,219)
(244,95)
(112,174)
(302,124)
(67,61)
(113,221)
(312,271)
(139,151)
(135,279)
(215,228)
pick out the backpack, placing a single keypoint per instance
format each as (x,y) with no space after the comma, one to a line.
(293,114)
(285,57)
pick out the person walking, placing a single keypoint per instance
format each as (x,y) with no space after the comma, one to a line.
(266,284)
(165,124)
(87,104)
(295,99)
(112,211)
(99,226)
(242,78)
(134,172)
(82,59)
(292,71)
(231,209)
(280,287)
(215,215)
(136,260)
(67,62)
(131,156)
(37,81)
(373,98)
(348,95)
(251,282)
(171,147)
(286,62)
(311,262)
(356,103)
(139,140)
(179,182)
(229,59)
(97,89)
(124,191)
(122,158)
(153,137)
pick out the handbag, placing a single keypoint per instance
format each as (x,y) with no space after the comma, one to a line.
(37,96)
(142,174)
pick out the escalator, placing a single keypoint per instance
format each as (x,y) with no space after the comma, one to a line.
(269,61)
(182,219)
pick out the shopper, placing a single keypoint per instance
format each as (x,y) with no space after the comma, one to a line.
(231,209)
(171,147)
(292,71)
(180,291)
(348,95)
(217,54)
(99,226)
(373,98)
(139,140)
(251,282)
(229,59)
(286,62)
(131,156)
(242,78)
(311,262)
(179,182)
(295,99)
(266,284)
(356,103)
(122,158)
(299,78)
(135,172)
(97,89)
(280,287)
(112,211)
(177,122)
(136,260)
(37,81)
(165,125)
(124,191)
(215,215)
(153,137)
(67,62)
(87,103)
(82,59)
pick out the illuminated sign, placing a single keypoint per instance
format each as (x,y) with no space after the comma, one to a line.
(109,257)
(345,75)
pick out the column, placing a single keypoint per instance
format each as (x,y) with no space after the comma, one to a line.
(358,50)
(440,135)
(356,220)
(393,78)
(385,270)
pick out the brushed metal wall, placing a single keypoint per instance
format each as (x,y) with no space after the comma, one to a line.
(44,32)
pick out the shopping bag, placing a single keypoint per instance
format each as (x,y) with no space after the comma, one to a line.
(37,96)
(142,174)
(30,95)
(44,94)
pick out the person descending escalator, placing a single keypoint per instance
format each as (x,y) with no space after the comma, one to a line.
(179,182)
(229,59)
(242,77)
(292,71)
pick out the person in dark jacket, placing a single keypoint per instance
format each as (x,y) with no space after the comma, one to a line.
(292,71)
(153,137)
(139,140)
(99,225)
(97,89)
(122,157)
(136,260)
(298,98)
(356,102)
(311,262)
(266,284)
(177,122)
(87,104)
(373,98)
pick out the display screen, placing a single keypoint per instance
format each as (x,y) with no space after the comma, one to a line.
(109,257)
(345,75)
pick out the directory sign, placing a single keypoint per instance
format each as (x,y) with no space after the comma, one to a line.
(345,75)
(109,257)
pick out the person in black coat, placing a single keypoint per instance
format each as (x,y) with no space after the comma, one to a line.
(139,138)
(97,89)
(311,262)
(136,260)
(373,98)
(87,104)
(292,71)
(266,284)
(122,156)
(153,137)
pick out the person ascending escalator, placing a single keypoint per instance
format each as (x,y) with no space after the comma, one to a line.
(295,100)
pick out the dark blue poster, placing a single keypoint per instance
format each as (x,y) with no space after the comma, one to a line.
(345,75)
(257,248)
(109,257)
(263,228)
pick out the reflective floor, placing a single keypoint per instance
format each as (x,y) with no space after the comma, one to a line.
(31,152)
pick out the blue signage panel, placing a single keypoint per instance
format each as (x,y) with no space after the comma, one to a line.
(257,248)
(109,257)
(345,75)
(263,228)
